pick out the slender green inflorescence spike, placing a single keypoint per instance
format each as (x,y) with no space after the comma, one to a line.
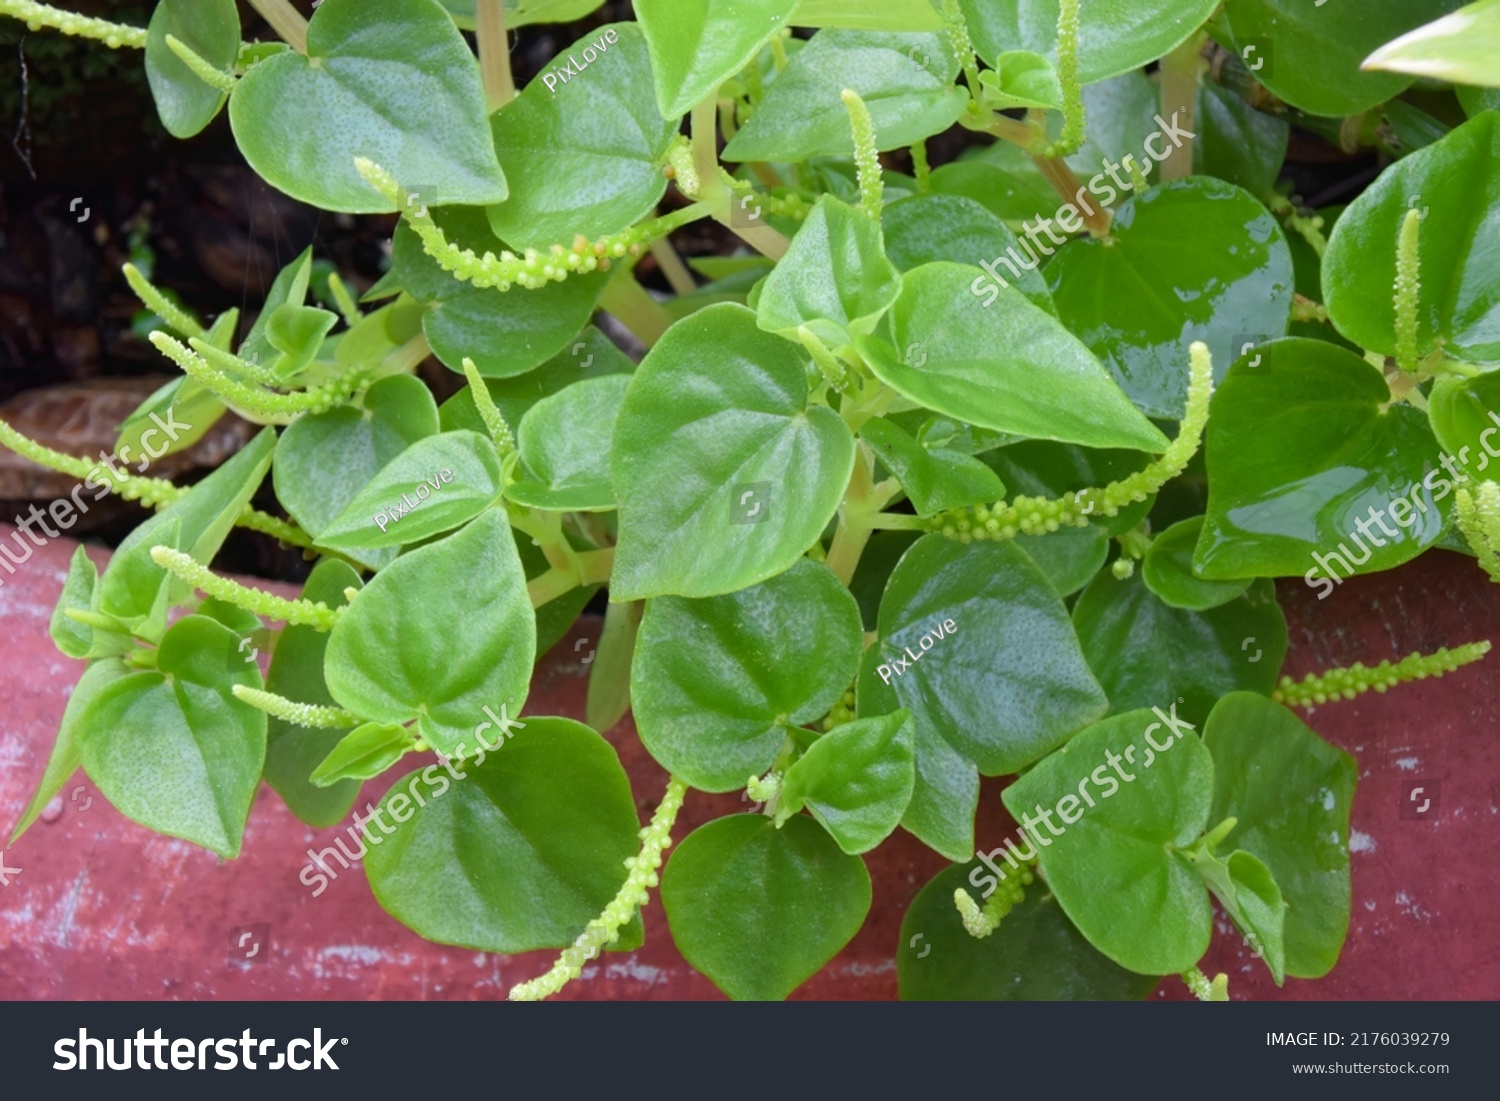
(489,412)
(1067,75)
(1010,893)
(605,929)
(214,78)
(174,315)
(310,715)
(1041,515)
(1345,684)
(764,790)
(963,46)
(1205,991)
(866,154)
(1477,514)
(534,269)
(1408,292)
(37,16)
(230,364)
(684,169)
(834,372)
(318,616)
(273,408)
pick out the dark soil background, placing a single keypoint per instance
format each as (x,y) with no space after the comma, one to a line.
(79,135)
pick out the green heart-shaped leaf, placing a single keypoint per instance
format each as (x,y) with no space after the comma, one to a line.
(1304,462)
(1465,416)
(759,909)
(439,635)
(1115,864)
(856,780)
(1021,79)
(433,486)
(296,673)
(1036,955)
(1113,38)
(364,752)
(564,444)
(906,80)
(935,479)
(517,853)
(1196,259)
(1291,792)
(1237,143)
(1458,48)
(1145,652)
(173,749)
(717,681)
(717,445)
(584,156)
(945,791)
(1167,571)
(1454,187)
(211,29)
(696,47)
(834,278)
(976,642)
(388,80)
(1013,368)
(1248,892)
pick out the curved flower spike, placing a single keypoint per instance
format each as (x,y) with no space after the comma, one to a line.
(1335,684)
(37,16)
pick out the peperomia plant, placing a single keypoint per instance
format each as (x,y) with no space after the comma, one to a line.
(978,470)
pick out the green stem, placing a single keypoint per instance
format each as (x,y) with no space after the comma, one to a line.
(285,20)
(494,53)
(920,169)
(678,277)
(854,530)
(304,613)
(252,402)
(1057,172)
(632,305)
(158,303)
(37,16)
(632,895)
(1179,94)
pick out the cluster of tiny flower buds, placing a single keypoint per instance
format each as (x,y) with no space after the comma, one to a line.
(842,712)
(1345,684)
(37,16)
(1008,894)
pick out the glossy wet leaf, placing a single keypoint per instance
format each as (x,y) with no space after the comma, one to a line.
(1040,468)
(1292,793)
(834,278)
(564,444)
(924,229)
(583,156)
(1310,55)
(697,47)
(945,789)
(64,760)
(717,445)
(935,479)
(1459,48)
(1069,556)
(172,748)
(1454,185)
(324,460)
(716,681)
(1465,417)
(897,15)
(433,486)
(363,753)
(1237,143)
(1003,364)
(1300,454)
(211,29)
(1036,955)
(1196,259)
(1167,571)
(1113,38)
(1114,865)
(523,13)
(296,673)
(133,588)
(518,853)
(856,780)
(438,635)
(760,910)
(389,80)
(1003,181)
(975,641)
(1146,653)
(906,80)
(504,332)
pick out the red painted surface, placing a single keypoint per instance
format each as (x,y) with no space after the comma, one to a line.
(105,909)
